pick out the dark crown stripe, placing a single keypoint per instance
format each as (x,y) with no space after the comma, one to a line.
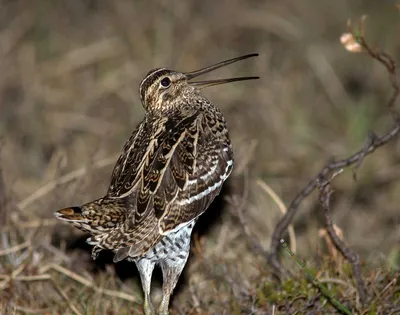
(150,78)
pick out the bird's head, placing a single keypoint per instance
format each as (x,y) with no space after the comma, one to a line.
(163,89)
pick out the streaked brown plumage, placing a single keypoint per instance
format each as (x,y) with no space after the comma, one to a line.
(169,172)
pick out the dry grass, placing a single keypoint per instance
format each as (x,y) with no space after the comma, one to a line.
(68,101)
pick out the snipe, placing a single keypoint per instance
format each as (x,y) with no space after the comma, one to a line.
(169,172)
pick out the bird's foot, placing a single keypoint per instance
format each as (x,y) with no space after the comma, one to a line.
(148,308)
(163,310)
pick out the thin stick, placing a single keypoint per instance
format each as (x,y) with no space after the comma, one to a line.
(31,224)
(66,298)
(373,143)
(391,283)
(32,311)
(44,190)
(14,249)
(282,208)
(33,278)
(69,274)
(333,280)
(88,283)
(5,283)
(354,259)
(117,294)
(239,204)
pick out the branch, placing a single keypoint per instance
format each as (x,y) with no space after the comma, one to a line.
(238,203)
(354,259)
(373,142)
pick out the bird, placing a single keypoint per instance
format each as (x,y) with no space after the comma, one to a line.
(169,171)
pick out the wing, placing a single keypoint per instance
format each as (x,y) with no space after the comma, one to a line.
(213,162)
(170,177)
(126,172)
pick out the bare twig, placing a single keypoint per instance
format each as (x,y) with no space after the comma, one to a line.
(66,298)
(372,144)
(83,56)
(25,310)
(33,278)
(62,180)
(333,280)
(14,32)
(282,208)
(333,252)
(88,283)
(14,249)
(354,259)
(31,224)
(5,283)
(238,204)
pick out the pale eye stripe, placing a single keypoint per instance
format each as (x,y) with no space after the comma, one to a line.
(150,75)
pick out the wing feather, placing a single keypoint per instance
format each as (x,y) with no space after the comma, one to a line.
(171,169)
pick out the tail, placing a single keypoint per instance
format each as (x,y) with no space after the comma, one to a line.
(98,216)
(75,216)
(72,214)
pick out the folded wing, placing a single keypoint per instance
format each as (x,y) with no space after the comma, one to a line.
(170,178)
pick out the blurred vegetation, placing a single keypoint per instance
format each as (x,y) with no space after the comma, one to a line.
(69,75)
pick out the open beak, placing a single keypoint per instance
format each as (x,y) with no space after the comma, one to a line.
(202,84)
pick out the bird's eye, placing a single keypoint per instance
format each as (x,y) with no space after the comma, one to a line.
(166,82)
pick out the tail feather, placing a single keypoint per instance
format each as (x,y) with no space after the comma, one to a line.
(139,248)
(95,217)
(71,214)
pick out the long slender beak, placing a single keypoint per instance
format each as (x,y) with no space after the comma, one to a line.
(191,75)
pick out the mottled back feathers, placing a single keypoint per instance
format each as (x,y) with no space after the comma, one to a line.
(170,169)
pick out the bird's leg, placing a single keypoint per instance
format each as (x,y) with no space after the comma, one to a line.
(146,267)
(171,271)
